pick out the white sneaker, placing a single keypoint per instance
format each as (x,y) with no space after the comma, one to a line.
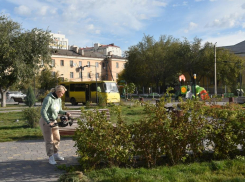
(58,158)
(51,160)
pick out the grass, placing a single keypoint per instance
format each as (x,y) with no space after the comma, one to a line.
(11,130)
(214,171)
(13,127)
(130,114)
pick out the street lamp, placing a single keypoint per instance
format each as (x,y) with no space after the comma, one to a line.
(215,78)
(195,76)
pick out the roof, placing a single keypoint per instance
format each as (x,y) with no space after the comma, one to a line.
(237,48)
(65,52)
(73,53)
(110,45)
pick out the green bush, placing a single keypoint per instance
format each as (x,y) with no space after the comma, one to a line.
(30,97)
(183,135)
(102,100)
(32,116)
(101,143)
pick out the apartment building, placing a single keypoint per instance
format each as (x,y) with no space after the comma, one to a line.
(100,50)
(59,41)
(69,64)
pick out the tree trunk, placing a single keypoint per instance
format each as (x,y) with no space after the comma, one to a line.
(3,98)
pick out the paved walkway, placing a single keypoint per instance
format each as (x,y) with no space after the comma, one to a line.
(27,161)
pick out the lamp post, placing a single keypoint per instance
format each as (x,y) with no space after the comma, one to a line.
(240,78)
(195,76)
(215,78)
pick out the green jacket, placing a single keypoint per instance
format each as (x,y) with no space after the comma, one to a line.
(52,106)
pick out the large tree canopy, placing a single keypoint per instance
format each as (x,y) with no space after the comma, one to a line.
(21,53)
(159,63)
(151,62)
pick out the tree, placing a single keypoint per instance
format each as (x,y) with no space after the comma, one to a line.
(47,80)
(21,53)
(151,62)
(30,97)
(130,88)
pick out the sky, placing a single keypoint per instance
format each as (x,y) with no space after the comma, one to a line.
(125,22)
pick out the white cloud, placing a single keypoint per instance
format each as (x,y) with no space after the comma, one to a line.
(97,31)
(243,25)
(243,6)
(226,39)
(199,0)
(90,27)
(225,22)
(43,10)
(191,26)
(159,3)
(184,3)
(22,10)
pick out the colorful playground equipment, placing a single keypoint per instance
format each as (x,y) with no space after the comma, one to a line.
(189,92)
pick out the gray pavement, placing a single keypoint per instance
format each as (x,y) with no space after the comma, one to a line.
(27,161)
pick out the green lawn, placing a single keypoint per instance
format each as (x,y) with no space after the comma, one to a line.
(13,127)
(214,171)
(130,114)
(11,130)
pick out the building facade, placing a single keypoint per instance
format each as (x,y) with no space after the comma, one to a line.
(101,50)
(59,41)
(70,66)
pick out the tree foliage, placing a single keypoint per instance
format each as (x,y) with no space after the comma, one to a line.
(47,79)
(151,62)
(154,63)
(21,53)
(30,97)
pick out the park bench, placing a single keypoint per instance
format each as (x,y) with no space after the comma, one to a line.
(18,99)
(77,114)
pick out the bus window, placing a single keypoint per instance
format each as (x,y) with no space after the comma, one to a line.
(99,87)
(77,87)
(93,87)
(110,87)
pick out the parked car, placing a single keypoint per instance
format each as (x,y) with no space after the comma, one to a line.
(143,95)
(154,94)
(15,94)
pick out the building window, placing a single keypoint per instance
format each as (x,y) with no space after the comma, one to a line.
(89,75)
(117,65)
(71,74)
(53,73)
(117,75)
(88,63)
(53,63)
(80,74)
(71,62)
(97,64)
(80,63)
(124,65)
(61,62)
(97,75)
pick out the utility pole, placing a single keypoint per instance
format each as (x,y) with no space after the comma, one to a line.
(215,77)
